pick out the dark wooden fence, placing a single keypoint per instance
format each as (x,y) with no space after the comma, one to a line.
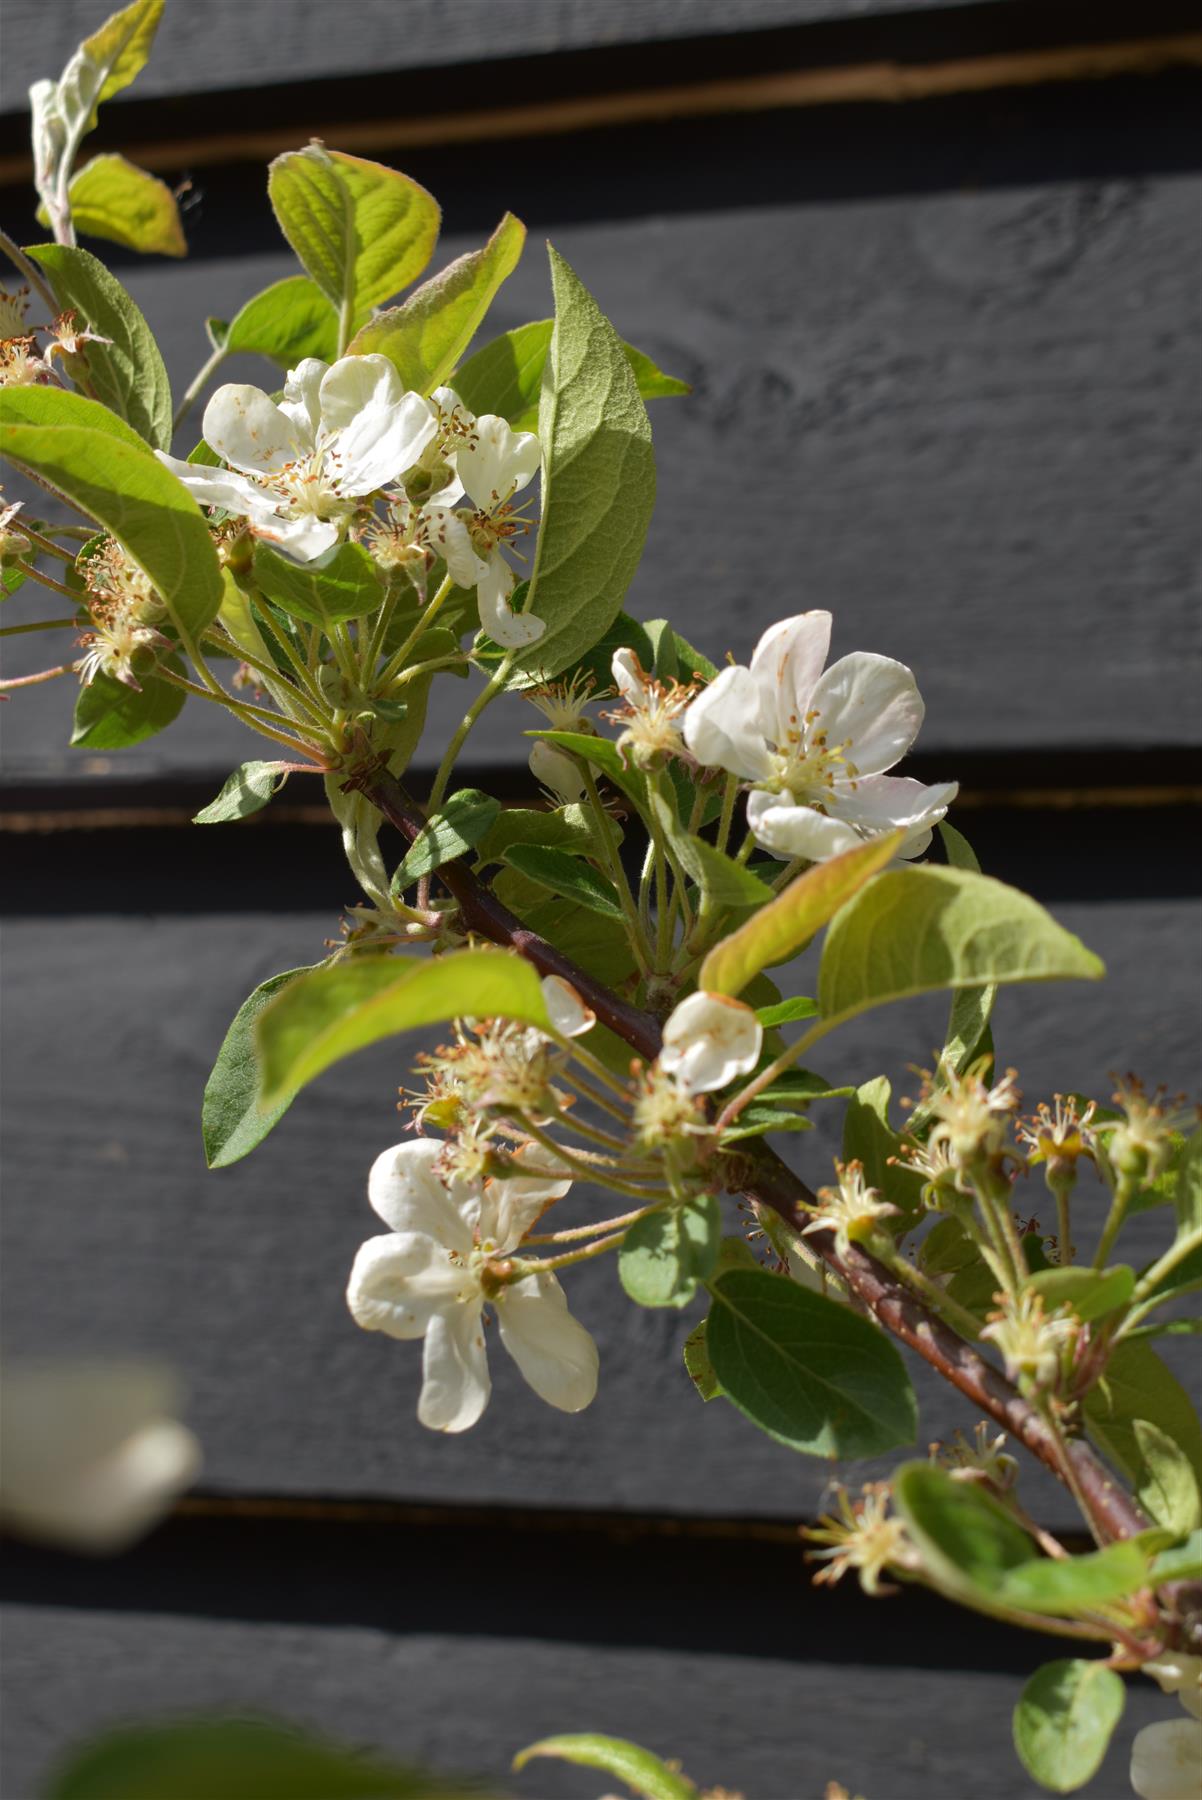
(932,271)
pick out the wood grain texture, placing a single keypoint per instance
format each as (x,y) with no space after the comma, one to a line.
(466,1704)
(290,41)
(964,420)
(117,1238)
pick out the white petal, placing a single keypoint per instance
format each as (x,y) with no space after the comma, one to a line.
(381,442)
(496,461)
(400,1281)
(449,538)
(552,1349)
(708,1040)
(406,1190)
(565,1009)
(353,383)
(630,678)
(303,537)
(556,770)
(1179,1673)
(513,1204)
(248,430)
(238,494)
(302,397)
(90,1455)
(724,728)
(789,830)
(456,1386)
(881,802)
(505,627)
(1166,1760)
(787,662)
(870,702)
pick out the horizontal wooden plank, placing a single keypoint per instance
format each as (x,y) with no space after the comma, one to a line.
(117,1238)
(770,1728)
(954,416)
(286,41)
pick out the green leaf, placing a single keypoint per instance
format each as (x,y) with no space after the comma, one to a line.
(809,1372)
(506,375)
(787,925)
(566,875)
(568,829)
(246,791)
(1092,1293)
(603,754)
(968,1541)
(723,882)
(786,1012)
(1076,1584)
(288,321)
(1142,1419)
(111,716)
(58,407)
(870,1139)
(598,480)
(231,1122)
(342,1007)
(665,1255)
(1064,1721)
(912,930)
(698,1365)
(597,943)
(113,198)
(638,1768)
(363,232)
(126,374)
(459,824)
(674,658)
(120,50)
(199,1759)
(426,335)
(1181,1563)
(972,1008)
(342,583)
(149,512)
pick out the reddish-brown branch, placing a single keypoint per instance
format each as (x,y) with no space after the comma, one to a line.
(772,1183)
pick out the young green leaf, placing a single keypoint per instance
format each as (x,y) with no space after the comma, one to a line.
(566,875)
(968,1541)
(231,1122)
(109,715)
(1183,1562)
(118,52)
(1076,1584)
(237,1758)
(506,375)
(869,1138)
(1064,1721)
(127,373)
(913,930)
(598,480)
(1092,1293)
(723,882)
(113,198)
(247,791)
(786,1012)
(459,824)
(288,321)
(806,1370)
(150,513)
(342,1007)
(971,1008)
(1142,1419)
(783,928)
(665,1255)
(567,829)
(426,335)
(363,232)
(674,658)
(644,1773)
(342,583)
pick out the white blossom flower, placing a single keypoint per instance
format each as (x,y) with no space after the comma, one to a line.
(708,1040)
(815,746)
(850,1210)
(1166,1758)
(299,471)
(432,1274)
(1033,1342)
(493,462)
(90,1454)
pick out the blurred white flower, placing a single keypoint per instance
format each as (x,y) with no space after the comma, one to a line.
(432,1275)
(90,1453)
(493,462)
(708,1040)
(815,745)
(299,471)
(566,1010)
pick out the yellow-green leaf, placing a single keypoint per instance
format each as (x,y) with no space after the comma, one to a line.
(113,198)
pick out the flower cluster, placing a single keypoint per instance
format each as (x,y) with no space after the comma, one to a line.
(305,472)
(23,361)
(125,609)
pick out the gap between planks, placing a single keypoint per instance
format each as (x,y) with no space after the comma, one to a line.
(886,83)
